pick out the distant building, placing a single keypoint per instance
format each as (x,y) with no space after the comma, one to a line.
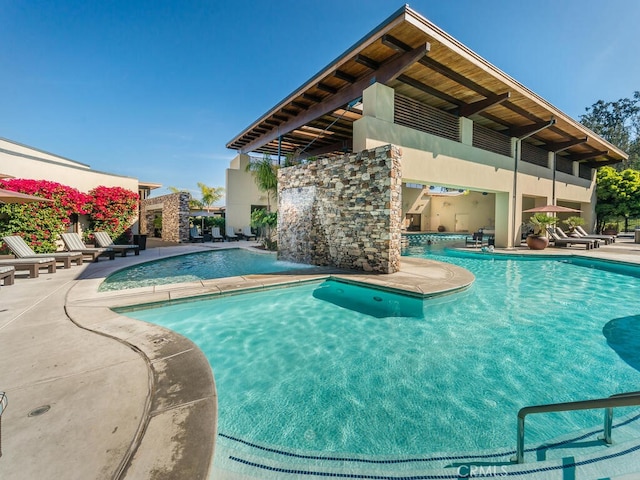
(22,161)
(460,122)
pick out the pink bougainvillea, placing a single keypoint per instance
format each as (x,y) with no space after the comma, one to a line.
(40,223)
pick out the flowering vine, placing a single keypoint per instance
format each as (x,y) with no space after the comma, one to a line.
(40,223)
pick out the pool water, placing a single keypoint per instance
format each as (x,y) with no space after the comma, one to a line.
(297,370)
(197,266)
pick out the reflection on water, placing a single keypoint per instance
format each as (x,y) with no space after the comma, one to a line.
(623,335)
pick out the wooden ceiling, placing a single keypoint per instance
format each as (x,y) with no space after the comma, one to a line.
(418,60)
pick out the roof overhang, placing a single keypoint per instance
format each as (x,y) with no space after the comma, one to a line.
(419,60)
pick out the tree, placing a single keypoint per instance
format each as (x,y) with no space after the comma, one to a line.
(265,174)
(208,196)
(619,123)
(617,195)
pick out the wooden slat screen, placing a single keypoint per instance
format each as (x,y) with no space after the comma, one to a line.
(419,116)
(490,140)
(563,165)
(585,171)
(535,155)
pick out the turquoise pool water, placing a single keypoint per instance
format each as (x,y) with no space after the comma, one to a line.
(298,370)
(197,266)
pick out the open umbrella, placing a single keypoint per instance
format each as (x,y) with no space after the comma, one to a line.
(551,209)
(9,196)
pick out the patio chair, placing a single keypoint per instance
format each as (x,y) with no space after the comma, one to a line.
(7,274)
(558,241)
(608,239)
(104,240)
(73,243)
(215,235)
(561,234)
(247,233)
(21,250)
(194,235)
(475,239)
(33,265)
(230,234)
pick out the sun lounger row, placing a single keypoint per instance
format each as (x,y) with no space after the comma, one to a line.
(28,260)
(560,239)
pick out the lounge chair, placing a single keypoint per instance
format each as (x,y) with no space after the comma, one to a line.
(247,234)
(558,241)
(33,265)
(215,235)
(8,274)
(194,235)
(608,239)
(564,236)
(475,239)
(21,250)
(230,234)
(104,240)
(73,243)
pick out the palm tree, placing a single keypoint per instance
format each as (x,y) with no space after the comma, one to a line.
(209,195)
(265,174)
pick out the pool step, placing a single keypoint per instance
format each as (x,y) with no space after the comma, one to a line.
(579,455)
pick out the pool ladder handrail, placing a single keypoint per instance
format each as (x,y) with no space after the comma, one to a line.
(628,399)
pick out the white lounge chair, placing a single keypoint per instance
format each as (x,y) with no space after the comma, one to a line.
(104,240)
(33,265)
(606,238)
(215,235)
(247,233)
(230,234)
(194,235)
(73,243)
(8,274)
(21,250)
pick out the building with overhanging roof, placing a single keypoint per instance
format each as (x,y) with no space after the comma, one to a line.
(460,122)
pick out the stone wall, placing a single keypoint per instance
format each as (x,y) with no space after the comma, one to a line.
(343,211)
(175,216)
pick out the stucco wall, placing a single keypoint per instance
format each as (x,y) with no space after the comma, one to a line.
(343,211)
(241,193)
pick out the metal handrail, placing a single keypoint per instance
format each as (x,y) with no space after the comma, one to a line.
(628,399)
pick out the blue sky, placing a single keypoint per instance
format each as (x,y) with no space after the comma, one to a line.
(155,89)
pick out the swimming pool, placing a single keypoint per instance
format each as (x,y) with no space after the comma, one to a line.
(197,266)
(339,381)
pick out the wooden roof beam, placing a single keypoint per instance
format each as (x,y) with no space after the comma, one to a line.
(343,146)
(561,146)
(326,88)
(528,130)
(481,105)
(367,62)
(344,76)
(594,164)
(428,89)
(312,98)
(386,73)
(578,157)
(281,117)
(300,105)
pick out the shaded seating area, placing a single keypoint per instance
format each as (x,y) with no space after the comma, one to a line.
(231,235)
(559,241)
(32,265)
(21,250)
(7,274)
(475,240)
(73,243)
(104,240)
(194,235)
(247,233)
(581,233)
(216,236)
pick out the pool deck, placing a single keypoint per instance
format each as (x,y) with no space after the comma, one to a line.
(127,399)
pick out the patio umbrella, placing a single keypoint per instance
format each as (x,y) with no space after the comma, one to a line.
(551,209)
(9,196)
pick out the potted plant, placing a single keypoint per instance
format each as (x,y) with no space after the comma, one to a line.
(610,229)
(573,222)
(538,239)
